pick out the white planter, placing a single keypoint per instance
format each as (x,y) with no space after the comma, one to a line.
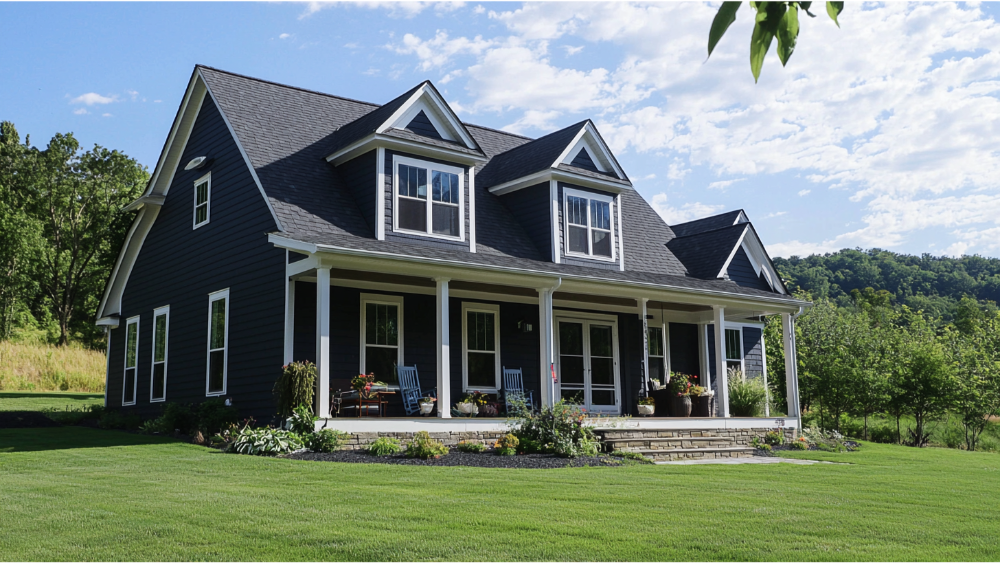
(646,410)
(426,408)
(468,408)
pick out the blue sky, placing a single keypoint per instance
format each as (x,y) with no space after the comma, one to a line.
(885,132)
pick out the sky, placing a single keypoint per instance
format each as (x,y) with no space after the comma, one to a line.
(884,132)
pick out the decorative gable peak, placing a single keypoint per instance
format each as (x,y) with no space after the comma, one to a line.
(588,151)
(426,113)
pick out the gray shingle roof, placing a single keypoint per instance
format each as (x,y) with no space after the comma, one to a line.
(705,253)
(287,132)
(528,158)
(712,223)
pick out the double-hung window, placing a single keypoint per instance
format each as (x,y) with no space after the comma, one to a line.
(202,199)
(131,361)
(381,335)
(158,378)
(588,224)
(657,355)
(481,340)
(218,342)
(734,350)
(429,198)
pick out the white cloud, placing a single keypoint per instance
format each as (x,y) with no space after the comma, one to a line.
(133,94)
(683,213)
(106,115)
(81,111)
(437,52)
(372,71)
(396,8)
(723,184)
(91,98)
(570,51)
(479,9)
(775,214)
(804,192)
(285,36)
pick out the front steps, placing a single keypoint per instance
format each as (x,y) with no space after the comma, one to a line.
(672,445)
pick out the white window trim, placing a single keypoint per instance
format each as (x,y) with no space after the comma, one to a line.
(165,310)
(376,298)
(480,308)
(587,319)
(135,378)
(742,358)
(460,172)
(212,298)
(207,178)
(610,200)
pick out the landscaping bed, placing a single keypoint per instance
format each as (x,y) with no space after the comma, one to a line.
(25,419)
(457,458)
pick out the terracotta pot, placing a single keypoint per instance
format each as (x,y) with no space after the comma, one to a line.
(680,406)
(646,410)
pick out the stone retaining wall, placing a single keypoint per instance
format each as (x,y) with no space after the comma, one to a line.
(451,439)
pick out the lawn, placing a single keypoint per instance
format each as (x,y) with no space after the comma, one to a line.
(28,401)
(81,494)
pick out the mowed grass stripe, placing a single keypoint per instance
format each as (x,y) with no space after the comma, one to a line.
(90,494)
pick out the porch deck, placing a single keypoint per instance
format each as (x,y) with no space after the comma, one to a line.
(406,425)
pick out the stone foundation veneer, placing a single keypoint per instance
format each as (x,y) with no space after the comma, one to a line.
(451,439)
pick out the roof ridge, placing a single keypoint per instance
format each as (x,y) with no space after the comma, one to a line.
(317,92)
(710,230)
(299,88)
(711,217)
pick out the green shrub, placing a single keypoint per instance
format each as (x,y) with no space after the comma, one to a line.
(561,429)
(765,447)
(506,445)
(180,417)
(774,438)
(747,397)
(384,446)
(213,415)
(632,456)
(295,386)
(117,420)
(326,440)
(528,446)
(302,421)
(882,434)
(799,445)
(425,447)
(153,426)
(264,441)
(75,415)
(471,447)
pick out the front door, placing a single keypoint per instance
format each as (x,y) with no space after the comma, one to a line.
(588,365)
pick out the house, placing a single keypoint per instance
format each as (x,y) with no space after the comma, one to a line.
(283,224)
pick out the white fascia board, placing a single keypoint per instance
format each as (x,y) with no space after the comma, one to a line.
(741,218)
(111,301)
(151,199)
(384,141)
(732,254)
(246,157)
(291,244)
(111,322)
(757,254)
(560,176)
(589,137)
(436,104)
(732,299)
(193,83)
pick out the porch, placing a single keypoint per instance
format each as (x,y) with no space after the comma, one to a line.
(598,343)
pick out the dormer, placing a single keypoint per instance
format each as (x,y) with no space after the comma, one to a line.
(566,188)
(411,166)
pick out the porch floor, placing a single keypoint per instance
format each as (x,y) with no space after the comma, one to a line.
(434,424)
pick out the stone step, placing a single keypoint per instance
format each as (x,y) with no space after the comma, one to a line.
(692,453)
(671,439)
(644,434)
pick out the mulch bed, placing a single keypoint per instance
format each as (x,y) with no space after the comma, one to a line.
(25,419)
(456,458)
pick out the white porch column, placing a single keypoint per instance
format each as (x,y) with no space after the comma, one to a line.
(645,346)
(791,365)
(289,320)
(705,373)
(443,350)
(719,318)
(323,342)
(546,348)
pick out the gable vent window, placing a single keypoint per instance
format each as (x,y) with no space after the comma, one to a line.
(588,225)
(436,211)
(202,199)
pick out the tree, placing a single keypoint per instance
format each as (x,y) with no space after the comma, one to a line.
(926,387)
(773,19)
(974,353)
(78,200)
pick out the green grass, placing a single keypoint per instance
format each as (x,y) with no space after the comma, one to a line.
(81,494)
(28,401)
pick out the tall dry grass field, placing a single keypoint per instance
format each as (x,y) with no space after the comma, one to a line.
(33,367)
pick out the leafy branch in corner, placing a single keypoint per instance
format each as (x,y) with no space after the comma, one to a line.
(773,19)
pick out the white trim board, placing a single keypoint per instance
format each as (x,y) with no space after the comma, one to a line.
(427,99)
(588,137)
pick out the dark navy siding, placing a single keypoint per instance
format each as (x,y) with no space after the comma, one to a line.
(630,350)
(684,356)
(358,175)
(179,266)
(741,271)
(416,238)
(584,161)
(753,349)
(531,206)
(421,125)
(713,372)
(566,259)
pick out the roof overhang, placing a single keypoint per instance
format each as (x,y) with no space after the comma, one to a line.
(759,259)
(561,176)
(151,199)
(426,98)
(377,140)
(377,261)
(590,138)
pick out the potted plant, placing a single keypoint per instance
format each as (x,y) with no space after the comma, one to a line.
(427,405)
(647,406)
(680,395)
(702,403)
(363,385)
(656,383)
(469,405)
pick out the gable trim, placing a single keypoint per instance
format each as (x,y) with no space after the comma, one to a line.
(755,252)
(615,187)
(732,254)
(588,137)
(365,144)
(435,109)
